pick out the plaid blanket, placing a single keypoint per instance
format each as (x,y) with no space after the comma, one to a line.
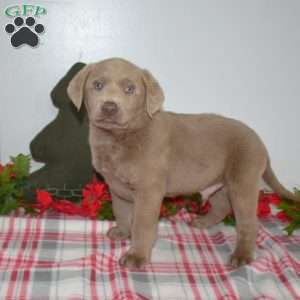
(59,257)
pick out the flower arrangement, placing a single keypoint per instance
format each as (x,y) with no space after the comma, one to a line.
(96,200)
(12,182)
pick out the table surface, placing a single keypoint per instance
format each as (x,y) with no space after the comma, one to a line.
(64,257)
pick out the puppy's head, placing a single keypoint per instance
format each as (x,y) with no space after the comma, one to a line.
(115,93)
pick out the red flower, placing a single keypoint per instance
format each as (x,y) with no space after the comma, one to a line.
(94,190)
(90,207)
(283,217)
(196,207)
(44,201)
(263,209)
(193,207)
(44,198)
(66,207)
(178,201)
(163,211)
(204,209)
(12,175)
(93,195)
(1,168)
(269,198)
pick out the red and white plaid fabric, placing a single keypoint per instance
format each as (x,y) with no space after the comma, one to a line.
(59,257)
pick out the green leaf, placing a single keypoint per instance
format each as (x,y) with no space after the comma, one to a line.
(290,229)
(31,211)
(21,166)
(171,207)
(229,220)
(5,176)
(297,192)
(285,205)
(196,197)
(106,212)
(11,187)
(6,190)
(8,206)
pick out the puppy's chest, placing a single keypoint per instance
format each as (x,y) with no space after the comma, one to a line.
(114,163)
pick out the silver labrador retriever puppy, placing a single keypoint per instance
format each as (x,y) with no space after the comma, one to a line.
(145,154)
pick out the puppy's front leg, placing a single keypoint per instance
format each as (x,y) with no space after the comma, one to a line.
(123,212)
(144,228)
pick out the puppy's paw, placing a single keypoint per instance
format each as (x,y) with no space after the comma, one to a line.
(239,259)
(131,260)
(115,233)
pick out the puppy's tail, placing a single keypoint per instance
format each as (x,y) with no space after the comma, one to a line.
(271,179)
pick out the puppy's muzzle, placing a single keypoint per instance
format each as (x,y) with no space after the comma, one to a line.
(109,109)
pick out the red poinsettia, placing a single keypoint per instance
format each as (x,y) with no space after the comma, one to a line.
(93,196)
(283,217)
(67,207)
(272,198)
(90,207)
(163,211)
(193,206)
(44,201)
(263,209)
(96,194)
(1,168)
(95,190)
(204,209)
(170,206)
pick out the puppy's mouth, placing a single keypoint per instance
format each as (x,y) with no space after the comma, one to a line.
(108,123)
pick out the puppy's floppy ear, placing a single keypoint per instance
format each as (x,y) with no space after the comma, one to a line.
(76,86)
(154,93)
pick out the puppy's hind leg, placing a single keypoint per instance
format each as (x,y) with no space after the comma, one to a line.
(243,193)
(220,208)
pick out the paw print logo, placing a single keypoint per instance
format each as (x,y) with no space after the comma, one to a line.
(24,32)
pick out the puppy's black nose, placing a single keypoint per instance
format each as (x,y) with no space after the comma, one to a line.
(109,108)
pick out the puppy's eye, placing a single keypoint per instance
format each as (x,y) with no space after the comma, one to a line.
(129,89)
(98,85)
